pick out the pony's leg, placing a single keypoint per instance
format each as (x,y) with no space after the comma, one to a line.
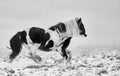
(33,53)
(12,56)
(64,46)
(69,55)
(35,58)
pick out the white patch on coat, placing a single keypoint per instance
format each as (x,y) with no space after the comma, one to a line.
(72,28)
(54,36)
(32,47)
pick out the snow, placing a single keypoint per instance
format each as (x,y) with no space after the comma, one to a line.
(84,62)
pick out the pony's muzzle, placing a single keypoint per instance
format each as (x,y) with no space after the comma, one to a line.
(85,35)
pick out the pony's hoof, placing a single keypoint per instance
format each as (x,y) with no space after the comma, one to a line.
(8,60)
(36,58)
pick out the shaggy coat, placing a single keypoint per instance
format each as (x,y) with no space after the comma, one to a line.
(56,37)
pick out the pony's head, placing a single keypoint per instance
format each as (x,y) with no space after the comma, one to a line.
(81,27)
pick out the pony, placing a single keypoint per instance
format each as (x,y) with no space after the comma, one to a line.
(56,37)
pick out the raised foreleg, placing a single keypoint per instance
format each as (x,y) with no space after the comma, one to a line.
(64,46)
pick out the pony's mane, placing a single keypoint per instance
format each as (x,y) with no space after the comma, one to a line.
(59,26)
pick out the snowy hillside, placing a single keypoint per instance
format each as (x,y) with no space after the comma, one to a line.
(84,62)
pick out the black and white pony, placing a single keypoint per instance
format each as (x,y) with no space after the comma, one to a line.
(56,37)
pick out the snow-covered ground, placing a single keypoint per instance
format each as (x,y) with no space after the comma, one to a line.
(84,62)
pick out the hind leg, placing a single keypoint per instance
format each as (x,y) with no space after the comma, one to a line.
(33,50)
(64,46)
(13,55)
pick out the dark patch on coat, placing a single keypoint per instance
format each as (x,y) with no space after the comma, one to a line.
(38,35)
(60,27)
(23,37)
(16,45)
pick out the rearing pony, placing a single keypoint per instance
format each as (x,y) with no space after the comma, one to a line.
(56,37)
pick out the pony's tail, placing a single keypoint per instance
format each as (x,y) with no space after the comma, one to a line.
(16,45)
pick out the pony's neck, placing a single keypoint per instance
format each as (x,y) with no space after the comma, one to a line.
(72,28)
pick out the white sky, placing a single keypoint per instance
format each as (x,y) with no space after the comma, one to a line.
(100,17)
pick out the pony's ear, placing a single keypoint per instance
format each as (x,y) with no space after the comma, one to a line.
(79,20)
